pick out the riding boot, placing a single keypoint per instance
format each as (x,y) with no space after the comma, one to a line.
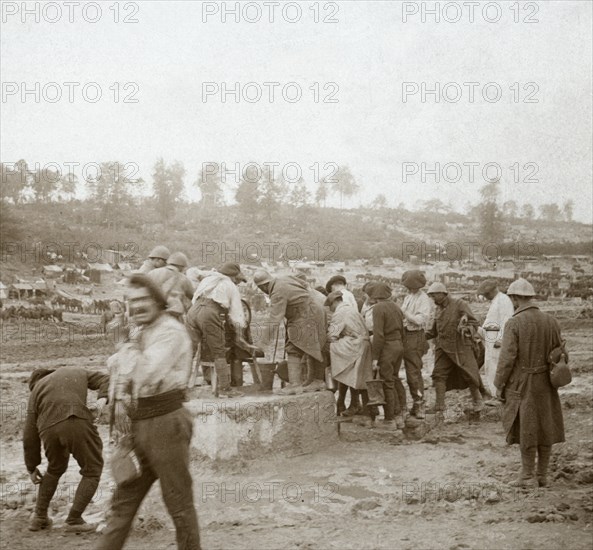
(543,460)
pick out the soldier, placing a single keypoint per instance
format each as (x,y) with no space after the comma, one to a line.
(57,415)
(455,365)
(217,302)
(492,330)
(175,285)
(151,369)
(350,349)
(532,415)
(388,352)
(157,258)
(338,282)
(306,328)
(417,310)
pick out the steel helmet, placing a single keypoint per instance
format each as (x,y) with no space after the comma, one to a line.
(179,259)
(261,277)
(437,287)
(160,251)
(521,287)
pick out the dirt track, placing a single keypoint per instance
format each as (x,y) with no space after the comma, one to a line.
(446,490)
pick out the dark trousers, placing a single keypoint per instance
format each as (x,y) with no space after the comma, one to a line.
(162,445)
(208,322)
(77,437)
(414,344)
(389,365)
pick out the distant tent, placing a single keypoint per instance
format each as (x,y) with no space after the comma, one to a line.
(3,291)
(52,270)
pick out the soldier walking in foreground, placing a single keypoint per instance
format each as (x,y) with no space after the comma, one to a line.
(153,368)
(57,415)
(532,415)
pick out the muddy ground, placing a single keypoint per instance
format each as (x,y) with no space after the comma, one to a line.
(445,489)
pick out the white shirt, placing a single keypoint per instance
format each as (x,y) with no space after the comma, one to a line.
(419,306)
(500,311)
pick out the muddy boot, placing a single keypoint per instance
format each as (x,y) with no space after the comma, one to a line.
(47,489)
(354,407)
(526,478)
(477,399)
(400,422)
(207,374)
(418,410)
(84,494)
(440,387)
(295,373)
(543,460)
(312,381)
(236,373)
(221,380)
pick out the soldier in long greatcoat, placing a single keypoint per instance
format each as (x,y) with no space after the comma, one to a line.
(532,414)
(455,366)
(306,324)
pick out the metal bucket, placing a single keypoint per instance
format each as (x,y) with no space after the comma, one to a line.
(265,373)
(376,393)
(282,370)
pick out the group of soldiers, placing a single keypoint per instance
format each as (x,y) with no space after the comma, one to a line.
(327,330)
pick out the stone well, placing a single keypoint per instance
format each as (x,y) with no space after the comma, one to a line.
(259,425)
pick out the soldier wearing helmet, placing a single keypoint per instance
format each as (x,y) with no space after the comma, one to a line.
(532,416)
(157,258)
(303,309)
(455,365)
(176,287)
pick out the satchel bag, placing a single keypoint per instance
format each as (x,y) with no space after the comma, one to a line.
(560,374)
(125,465)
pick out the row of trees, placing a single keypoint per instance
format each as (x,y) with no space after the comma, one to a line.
(259,191)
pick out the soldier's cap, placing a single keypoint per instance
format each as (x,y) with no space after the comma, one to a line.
(144,281)
(332,297)
(160,251)
(379,291)
(413,279)
(232,270)
(486,286)
(335,279)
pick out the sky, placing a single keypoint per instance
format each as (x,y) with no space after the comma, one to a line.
(533,64)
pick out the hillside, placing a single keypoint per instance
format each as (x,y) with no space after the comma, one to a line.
(227,233)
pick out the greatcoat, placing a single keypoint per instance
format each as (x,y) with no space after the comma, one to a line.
(305,316)
(532,413)
(452,347)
